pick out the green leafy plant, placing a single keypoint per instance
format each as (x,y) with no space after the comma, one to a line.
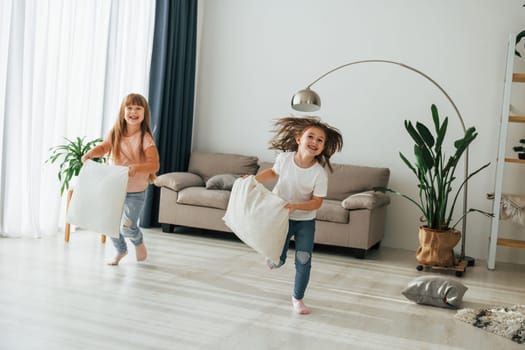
(69,155)
(520,149)
(435,171)
(519,36)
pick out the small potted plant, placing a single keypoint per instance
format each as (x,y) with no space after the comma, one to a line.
(70,155)
(520,149)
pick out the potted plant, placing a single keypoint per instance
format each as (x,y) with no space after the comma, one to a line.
(520,36)
(70,155)
(520,149)
(435,176)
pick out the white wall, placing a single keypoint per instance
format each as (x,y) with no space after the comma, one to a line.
(254,55)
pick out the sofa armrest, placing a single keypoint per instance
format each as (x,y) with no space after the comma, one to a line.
(179,180)
(365,200)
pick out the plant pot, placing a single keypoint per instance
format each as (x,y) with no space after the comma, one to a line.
(521,155)
(436,247)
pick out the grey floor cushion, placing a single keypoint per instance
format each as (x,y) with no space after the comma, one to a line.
(435,291)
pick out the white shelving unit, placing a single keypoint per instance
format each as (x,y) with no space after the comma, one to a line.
(510,79)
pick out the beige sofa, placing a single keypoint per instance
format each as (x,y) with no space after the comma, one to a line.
(352,215)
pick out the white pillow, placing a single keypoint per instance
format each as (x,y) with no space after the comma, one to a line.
(98,198)
(258,217)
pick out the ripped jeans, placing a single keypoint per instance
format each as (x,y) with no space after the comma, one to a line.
(128,224)
(304,232)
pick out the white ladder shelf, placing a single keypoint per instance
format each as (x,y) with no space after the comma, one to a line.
(510,77)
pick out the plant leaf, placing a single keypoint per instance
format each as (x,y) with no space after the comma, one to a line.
(69,158)
(415,136)
(426,135)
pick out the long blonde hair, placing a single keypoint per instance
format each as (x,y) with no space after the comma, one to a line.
(120,127)
(287,128)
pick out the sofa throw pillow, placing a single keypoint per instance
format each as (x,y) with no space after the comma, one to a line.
(366,200)
(221,182)
(435,291)
(258,217)
(98,198)
(178,180)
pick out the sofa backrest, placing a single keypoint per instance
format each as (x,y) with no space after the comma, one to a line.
(346,179)
(349,179)
(208,164)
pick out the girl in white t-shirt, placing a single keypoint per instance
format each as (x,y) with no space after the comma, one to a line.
(307,145)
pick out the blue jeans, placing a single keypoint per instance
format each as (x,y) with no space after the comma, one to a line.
(304,232)
(128,223)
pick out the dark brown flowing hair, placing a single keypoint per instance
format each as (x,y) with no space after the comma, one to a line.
(287,128)
(120,127)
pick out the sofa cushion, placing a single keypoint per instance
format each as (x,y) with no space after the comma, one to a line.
(178,180)
(205,198)
(221,182)
(366,200)
(207,165)
(332,211)
(350,179)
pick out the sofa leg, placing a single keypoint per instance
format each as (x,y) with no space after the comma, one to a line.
(376,246)
(168,228)
(360,253)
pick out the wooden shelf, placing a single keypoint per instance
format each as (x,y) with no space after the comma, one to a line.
(517,119)
(513,243)
(518,77)
(515,160)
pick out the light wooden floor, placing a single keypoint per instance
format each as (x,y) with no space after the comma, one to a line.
(200,292)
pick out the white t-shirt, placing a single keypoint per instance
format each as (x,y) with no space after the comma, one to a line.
(296,184)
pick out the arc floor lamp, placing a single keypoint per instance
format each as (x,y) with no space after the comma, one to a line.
(307,100)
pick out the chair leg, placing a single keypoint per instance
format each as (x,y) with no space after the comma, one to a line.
(67,228)
(66,232)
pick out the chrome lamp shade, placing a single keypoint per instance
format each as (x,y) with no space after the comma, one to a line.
(306,100)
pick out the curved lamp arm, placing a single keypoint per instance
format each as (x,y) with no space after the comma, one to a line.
(307,100)
(300,103)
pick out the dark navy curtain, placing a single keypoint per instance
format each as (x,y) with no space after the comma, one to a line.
(171,91)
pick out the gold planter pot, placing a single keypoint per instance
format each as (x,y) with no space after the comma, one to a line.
(436,247)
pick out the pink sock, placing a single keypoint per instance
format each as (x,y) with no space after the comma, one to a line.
(299,307)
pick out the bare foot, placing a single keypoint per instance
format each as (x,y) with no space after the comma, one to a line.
(117,259)
(299,307)
(270,264)
(141,252)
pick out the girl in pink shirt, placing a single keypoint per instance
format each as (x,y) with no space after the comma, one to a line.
(130,143)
